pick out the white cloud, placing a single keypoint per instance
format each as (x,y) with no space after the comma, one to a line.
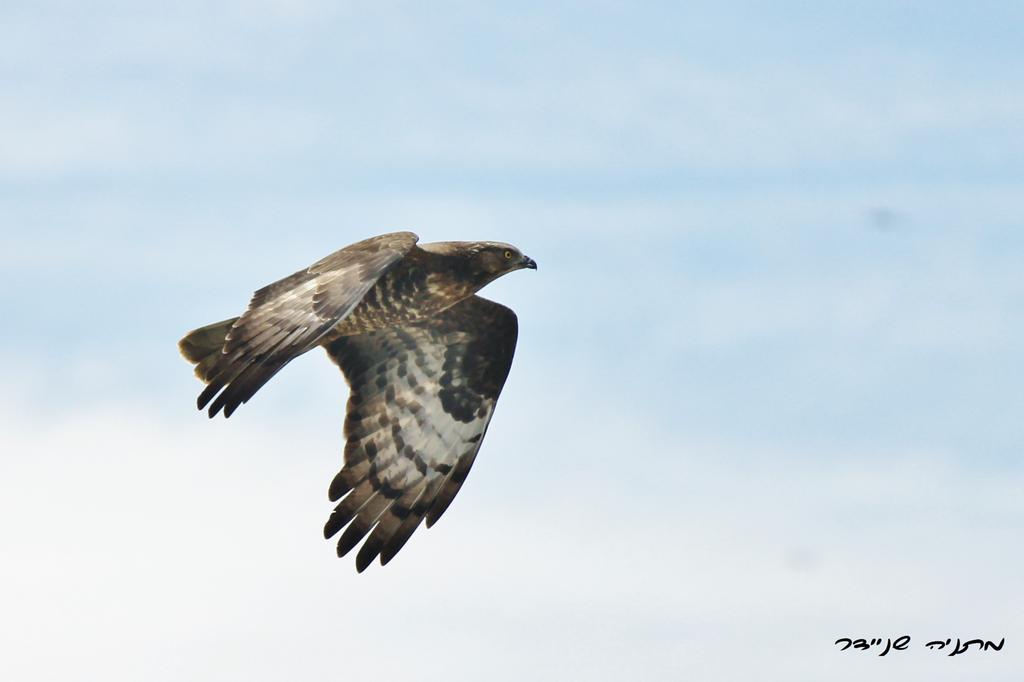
(145,548)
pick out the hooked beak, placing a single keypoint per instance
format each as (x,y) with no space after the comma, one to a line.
(529,263)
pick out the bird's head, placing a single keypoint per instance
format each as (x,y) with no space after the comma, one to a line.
(490,260)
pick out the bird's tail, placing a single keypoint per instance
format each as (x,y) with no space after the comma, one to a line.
(202,346)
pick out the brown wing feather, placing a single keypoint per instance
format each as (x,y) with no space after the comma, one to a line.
(422,397)
(290,316)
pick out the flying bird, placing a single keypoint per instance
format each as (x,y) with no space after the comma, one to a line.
(424,357)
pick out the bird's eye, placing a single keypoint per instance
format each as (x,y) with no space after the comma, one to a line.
(508,255)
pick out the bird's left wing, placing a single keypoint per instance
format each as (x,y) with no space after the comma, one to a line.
(289,317)
(422,397)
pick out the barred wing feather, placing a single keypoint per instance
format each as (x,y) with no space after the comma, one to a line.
(290,316)
(422,396)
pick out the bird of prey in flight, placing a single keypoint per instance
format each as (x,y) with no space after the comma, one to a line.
(424,356)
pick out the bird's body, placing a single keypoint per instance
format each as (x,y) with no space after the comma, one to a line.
(425,359)
(422,284)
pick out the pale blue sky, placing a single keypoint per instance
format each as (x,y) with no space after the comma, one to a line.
(768,380)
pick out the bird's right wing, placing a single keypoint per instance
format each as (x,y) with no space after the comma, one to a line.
(422,397)
(290,316)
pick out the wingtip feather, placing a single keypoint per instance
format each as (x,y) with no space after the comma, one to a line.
(366,555)
(339,487)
